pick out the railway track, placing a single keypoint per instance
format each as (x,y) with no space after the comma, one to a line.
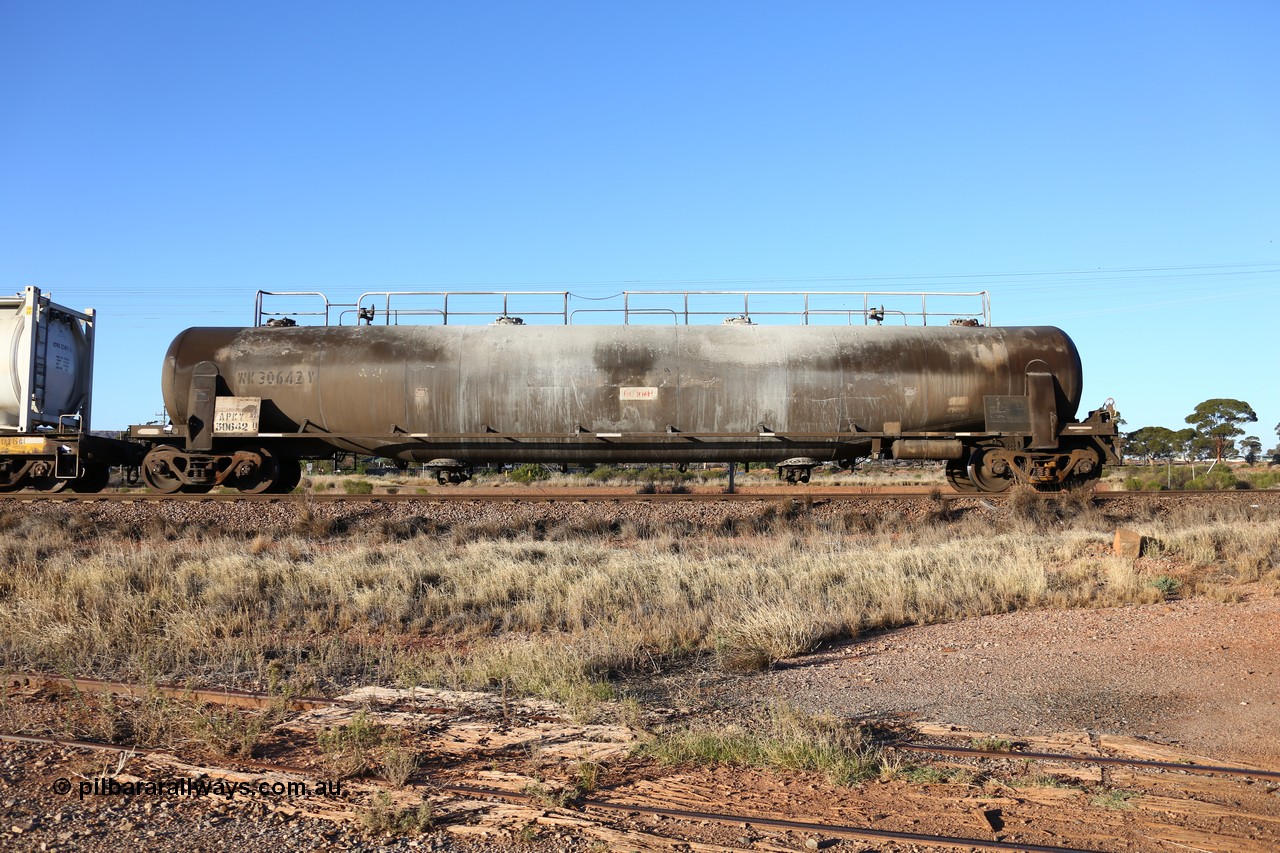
(600,495)
(613,812)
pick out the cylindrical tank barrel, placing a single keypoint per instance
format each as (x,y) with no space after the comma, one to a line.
(928,448)
(568,381)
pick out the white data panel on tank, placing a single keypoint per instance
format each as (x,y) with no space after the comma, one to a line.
(635,393)
(236,415)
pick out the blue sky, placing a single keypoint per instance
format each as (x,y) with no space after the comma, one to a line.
(1110,168)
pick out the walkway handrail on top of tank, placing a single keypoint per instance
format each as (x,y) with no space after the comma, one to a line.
(868,312)
(685,313)
(443,312)
(258,313)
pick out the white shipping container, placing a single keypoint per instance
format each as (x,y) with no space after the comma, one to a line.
(46,364)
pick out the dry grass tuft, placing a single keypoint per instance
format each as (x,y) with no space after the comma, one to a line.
(784,739)
(556,607)
(755,634)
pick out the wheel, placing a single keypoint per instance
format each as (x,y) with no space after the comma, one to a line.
(93,478)
(15,479)
(159,469)
(1088,471)
(1083,482)
(981,475)
(289,478)
(958,477)
(49,484)
(261,477)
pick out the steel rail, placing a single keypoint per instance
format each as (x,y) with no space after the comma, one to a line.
(131,749)
(1068,758)
(208,695)
(855,493)
(811,827)
(779,823)
(576,496)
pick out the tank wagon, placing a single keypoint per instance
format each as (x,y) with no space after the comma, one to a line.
(998,405)
(46,384)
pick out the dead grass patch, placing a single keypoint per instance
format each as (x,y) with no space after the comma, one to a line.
(784,739)
(558,609)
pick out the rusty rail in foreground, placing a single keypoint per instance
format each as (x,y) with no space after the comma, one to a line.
(612,806)
(252,700)
(208,695)
(1068,758)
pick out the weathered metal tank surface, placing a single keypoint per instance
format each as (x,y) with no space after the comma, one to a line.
(515,393)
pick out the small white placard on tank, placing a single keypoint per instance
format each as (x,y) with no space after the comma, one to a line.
(236,415)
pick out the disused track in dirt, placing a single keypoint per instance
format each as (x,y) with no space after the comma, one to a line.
(601,495)
(481,786)
(584,804)
(257,700)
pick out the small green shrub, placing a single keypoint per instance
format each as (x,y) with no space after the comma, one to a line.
(529,473)
(656,474)
(786,739)
(1114,799)
(1220,477)
(348,749)
(357,487)
(992,744)
(383,817)
(932,775)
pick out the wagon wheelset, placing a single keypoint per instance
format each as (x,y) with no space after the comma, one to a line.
(958,478)
(289,477)
(47,483)
(987,474)
(1087,471)
(14,475)
(160,469)
(255,476)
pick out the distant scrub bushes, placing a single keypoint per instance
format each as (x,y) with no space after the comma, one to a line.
(1161,478)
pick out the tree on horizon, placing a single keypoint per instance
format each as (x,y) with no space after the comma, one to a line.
(1217,423)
